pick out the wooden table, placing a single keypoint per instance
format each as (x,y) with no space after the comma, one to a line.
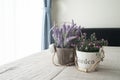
(39,67)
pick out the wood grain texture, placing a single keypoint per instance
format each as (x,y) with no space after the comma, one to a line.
(34,67)
(39,67)
(109,69)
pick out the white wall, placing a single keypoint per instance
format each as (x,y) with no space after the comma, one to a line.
(88,13)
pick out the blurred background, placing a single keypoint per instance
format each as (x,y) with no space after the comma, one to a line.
(20,28)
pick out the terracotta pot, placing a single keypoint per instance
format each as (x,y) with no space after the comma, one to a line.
(65,56)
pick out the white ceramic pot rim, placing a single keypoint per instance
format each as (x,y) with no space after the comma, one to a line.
(86,52)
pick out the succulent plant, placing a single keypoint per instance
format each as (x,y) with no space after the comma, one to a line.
(67,35)
(90,44)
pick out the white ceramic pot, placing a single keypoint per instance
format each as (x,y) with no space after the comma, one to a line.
(88,61)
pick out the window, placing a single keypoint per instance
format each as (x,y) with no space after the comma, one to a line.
(20,28)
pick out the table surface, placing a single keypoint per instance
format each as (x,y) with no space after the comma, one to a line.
(39,67)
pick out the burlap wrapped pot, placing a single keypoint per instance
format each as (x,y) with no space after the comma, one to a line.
(65,56)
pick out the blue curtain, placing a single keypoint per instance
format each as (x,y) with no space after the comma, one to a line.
(46,36)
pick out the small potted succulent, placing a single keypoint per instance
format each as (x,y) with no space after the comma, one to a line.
(89,52)
(65,38)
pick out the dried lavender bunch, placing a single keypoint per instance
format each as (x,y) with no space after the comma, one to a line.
(90,44)
(67,35)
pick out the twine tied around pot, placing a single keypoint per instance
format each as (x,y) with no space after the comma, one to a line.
(102,55)
(65,56)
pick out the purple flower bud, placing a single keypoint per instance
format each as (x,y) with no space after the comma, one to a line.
(89,44)
(84,34)
(97,46)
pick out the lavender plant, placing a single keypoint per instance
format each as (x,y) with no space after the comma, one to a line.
(67,35)
(90,44)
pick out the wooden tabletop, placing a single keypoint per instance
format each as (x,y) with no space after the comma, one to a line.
(39,67)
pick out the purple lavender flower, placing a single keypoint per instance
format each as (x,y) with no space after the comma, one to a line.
(66,35)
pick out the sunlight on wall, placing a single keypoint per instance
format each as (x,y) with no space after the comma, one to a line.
(20,28)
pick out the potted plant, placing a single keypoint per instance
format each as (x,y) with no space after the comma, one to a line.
(65,38)
(89,52)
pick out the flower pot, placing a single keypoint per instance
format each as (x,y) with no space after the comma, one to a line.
(65,56)
(88,61)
